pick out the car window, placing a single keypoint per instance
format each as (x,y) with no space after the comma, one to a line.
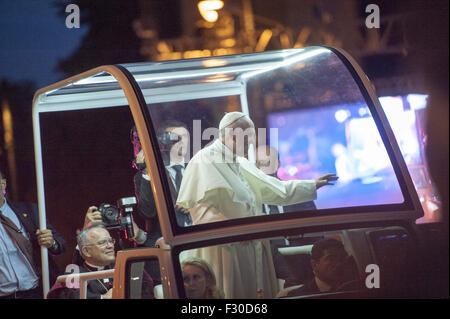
(346,261)
(143,279)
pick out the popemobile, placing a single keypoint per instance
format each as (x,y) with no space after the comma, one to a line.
(257,219)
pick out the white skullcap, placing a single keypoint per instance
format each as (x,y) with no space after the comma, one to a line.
(230,118)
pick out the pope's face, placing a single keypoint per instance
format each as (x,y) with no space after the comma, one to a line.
(239,139)
(249,139)
(267,160)
(181,148)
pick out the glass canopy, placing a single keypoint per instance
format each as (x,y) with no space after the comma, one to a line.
(313,106)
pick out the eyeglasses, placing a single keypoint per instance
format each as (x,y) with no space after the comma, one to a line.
(103,243)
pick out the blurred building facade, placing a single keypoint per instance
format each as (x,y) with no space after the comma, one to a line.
(178,31)
(181,30)
(243,26)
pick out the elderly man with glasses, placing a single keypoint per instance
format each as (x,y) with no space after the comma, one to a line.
(98,252)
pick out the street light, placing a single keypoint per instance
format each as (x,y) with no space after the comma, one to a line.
(208,9)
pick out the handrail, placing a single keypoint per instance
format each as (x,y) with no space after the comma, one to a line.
(84,277)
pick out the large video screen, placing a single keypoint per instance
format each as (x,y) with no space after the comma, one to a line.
(344,139)
(341,139)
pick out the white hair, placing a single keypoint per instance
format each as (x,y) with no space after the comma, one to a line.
(82,236)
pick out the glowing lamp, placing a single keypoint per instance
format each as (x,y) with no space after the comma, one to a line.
(208,9)
(342,115)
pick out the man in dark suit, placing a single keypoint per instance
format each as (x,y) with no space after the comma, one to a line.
(20,253)
(332,267)
(173,138)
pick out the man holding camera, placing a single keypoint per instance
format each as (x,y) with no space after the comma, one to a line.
(173,137)
(93,215)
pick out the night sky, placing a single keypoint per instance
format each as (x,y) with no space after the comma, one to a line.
(33,38)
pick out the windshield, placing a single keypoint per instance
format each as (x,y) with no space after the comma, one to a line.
(294,132)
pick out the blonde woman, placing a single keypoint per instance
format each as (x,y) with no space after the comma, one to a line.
(199,280)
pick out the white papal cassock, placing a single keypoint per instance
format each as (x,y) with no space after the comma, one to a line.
(217,185)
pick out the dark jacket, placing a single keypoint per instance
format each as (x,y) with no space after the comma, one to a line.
(28,215)
(309,288)
(147,208)
(96,288)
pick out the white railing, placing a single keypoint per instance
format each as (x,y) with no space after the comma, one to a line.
(83,278)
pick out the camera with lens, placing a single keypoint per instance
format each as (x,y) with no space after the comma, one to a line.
(119,217)
(167,140)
